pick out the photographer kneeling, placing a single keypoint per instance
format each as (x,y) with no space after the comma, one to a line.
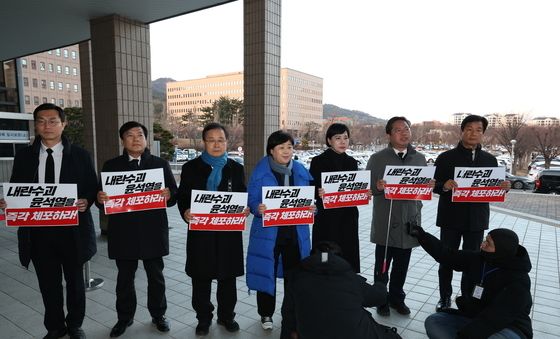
(500,300)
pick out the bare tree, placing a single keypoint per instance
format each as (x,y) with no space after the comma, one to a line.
(547,142)
(513,129)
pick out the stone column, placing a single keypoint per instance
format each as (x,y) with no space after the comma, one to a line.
(120,50)
(88,109)
(261,75)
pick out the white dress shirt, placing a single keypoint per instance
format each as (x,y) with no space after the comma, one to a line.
(57,156)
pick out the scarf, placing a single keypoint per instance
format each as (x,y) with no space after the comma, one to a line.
(282,169)
(217,164)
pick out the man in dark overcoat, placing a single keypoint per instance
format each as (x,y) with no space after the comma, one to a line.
(139,235)
(58,251)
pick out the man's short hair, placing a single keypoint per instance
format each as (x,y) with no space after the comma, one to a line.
(277,138)
(389,126)
(474,118)
(334,129)
(211,126)
(130,125)
(48,106)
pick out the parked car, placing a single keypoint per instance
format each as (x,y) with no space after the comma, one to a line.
(520,183)
(548,181)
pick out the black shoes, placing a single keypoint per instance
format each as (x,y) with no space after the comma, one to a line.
(120,327)
(161,323)
(202,329)
(55,334)
(443,304)
(383,310)
(401,308)
(76,333)
(230,325)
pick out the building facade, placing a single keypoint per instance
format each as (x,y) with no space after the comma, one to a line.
(301,97)
(457,118)
(545,121)
(52,76)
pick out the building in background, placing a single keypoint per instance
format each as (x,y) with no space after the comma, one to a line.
(457,118)
(52,76)
(545,121)
(301,97)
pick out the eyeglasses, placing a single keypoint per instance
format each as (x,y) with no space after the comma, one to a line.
(53,122)
(220,141)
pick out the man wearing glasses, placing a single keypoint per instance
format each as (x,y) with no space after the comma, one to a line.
(55,251)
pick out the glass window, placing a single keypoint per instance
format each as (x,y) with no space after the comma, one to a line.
(50,52)
(51,84)
(36,100)
(57,52)
(44,84)
(24,63)
(68,87)
(26,81)
(35,83)
(74,71)
(73,53)
(27,100)
(65,52)
(76,103)
(75,88)
(66,70)
(69,103)
(53,101)
(44,100)
(61,102)
(33,64)
(51,68)
(60,86)
(42,66)
(58,69)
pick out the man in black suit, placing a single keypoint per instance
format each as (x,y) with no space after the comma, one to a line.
(55,251)
(140,235)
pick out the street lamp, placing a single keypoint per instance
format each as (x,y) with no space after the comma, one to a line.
(513,142)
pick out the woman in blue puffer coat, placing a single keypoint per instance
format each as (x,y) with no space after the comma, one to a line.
(273,250)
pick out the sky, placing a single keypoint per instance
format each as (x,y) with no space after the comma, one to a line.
(422,59)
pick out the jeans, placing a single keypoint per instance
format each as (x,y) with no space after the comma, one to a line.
(445,326)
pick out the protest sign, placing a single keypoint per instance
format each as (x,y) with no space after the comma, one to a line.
(408,182)
(217,211)
(41,204)
(479,184)
(288,205)
(133,190)
(345,189)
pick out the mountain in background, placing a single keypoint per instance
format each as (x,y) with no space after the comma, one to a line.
(158,88)
(333,111)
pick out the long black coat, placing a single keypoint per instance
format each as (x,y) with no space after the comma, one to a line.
(327,299)
(211,254)
(142,234)
(506,300)
(338,224)
(465,216)
(77,168)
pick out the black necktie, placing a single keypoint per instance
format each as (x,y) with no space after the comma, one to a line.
(134,164)
(401,155)
(49,167)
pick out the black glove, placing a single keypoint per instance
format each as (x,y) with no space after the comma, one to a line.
(414,229)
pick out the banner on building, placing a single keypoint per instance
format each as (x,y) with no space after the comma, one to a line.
(132,191)
(408,182)
(479,184)
(217,211)
(288,205)
(345,189)
(41,204)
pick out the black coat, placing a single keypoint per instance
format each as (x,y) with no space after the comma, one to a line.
(338,224)
(211,254)
(327,300)
(464,216)
(76,168)
(142,234)
(506,301)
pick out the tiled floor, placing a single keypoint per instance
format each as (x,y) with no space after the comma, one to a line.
(21,306)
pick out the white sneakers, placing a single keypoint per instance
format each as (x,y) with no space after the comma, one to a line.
(266,323)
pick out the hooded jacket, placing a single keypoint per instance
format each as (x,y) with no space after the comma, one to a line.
(506,299)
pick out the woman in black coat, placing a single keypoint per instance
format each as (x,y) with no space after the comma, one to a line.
(339,225)
(212,254)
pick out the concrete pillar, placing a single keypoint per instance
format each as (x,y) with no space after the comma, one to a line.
(261,75)
(88,109)
(120,50)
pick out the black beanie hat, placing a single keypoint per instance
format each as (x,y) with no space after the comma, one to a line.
(505,241)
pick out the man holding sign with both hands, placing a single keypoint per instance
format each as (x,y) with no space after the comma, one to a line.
(133,232)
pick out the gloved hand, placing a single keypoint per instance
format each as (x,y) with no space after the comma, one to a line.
(414,229)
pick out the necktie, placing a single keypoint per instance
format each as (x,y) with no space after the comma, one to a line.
(401,155)
(49,167)
(134,164)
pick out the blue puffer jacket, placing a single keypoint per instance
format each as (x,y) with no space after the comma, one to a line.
(260,253)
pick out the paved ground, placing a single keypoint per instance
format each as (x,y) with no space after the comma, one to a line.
(21,306)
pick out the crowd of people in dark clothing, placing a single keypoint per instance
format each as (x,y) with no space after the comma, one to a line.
(324,294)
